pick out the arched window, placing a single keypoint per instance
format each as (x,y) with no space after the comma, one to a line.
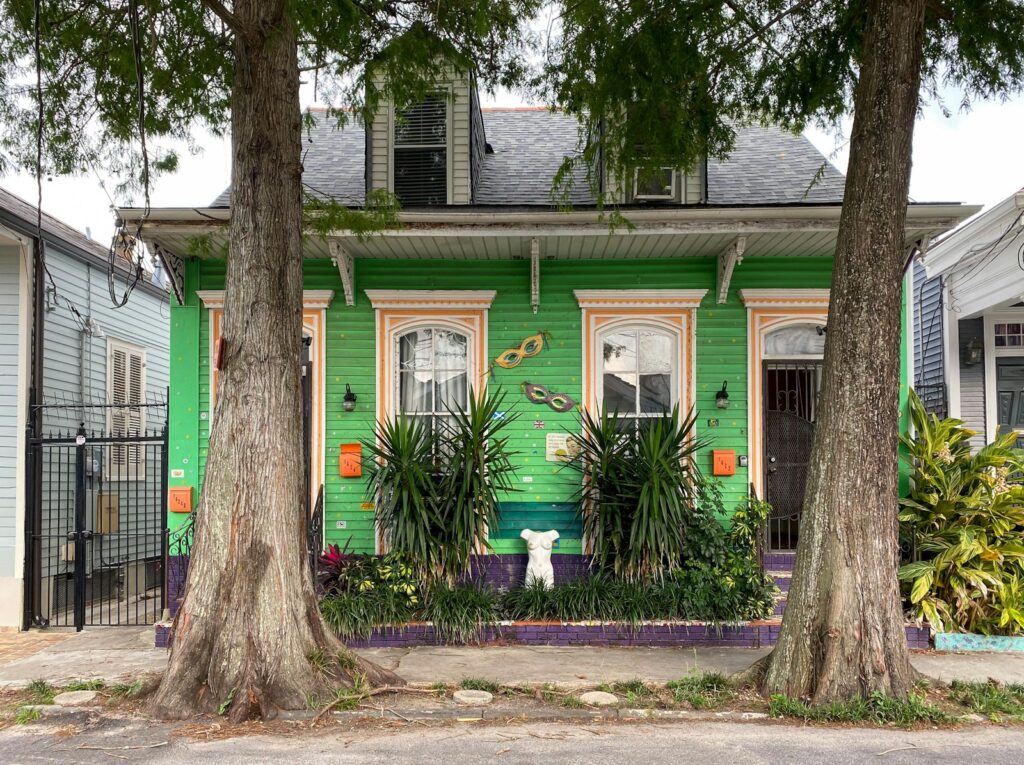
(795,341)
(638,372)
(432,366)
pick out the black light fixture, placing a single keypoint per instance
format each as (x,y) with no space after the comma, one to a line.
(821,329)
(722,397)
(349,402)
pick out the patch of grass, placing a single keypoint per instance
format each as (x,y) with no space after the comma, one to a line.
(990,699)
(226,704)
(125,690)
(548,693)
(26,715)
(40,692)
(86,685)
(439,688)
(708,690)
(877,708)
(318,661)
(347,699)
(573,702)
(635,688)
(478,684)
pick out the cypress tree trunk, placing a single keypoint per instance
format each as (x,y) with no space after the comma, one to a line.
(842,634)
(249,621)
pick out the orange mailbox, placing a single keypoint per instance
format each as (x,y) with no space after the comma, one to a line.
(723,462)
(180,499)
(350,461)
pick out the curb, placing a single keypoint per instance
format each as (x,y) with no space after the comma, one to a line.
(64,713)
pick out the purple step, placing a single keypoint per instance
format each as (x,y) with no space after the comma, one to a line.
(781,579)
(779,561)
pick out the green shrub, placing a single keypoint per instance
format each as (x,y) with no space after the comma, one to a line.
(638,491)
(967,516)
(437,490)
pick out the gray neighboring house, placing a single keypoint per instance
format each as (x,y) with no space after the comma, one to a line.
(969,322)
(78,350)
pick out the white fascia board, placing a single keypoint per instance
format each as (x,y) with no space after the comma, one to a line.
(944,256)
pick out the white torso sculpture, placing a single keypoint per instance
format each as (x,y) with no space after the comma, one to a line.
(538,545)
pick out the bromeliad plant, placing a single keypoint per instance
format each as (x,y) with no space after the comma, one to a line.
(638,491)
(437,489)
(966,512)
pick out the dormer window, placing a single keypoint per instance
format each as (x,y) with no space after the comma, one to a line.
(420,169)
(657,184)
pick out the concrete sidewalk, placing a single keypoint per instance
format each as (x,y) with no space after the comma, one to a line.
(116,654)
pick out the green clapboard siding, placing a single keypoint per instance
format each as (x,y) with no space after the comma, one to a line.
(545,490)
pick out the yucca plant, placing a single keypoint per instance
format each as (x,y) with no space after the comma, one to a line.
(967,513)
(400,462)
(477,470)
(638,490)
(438,490)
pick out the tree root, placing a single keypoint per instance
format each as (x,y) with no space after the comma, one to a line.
(367,694)
(752,676)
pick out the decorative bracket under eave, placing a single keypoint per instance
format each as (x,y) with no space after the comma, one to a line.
(174,267)
(535,274)
(727,262)
(343,260)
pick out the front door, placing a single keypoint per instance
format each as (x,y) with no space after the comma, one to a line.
(790,399)
(1010,395)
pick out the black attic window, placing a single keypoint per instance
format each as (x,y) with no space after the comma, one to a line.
(421,153)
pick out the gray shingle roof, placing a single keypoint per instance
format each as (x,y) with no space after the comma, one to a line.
(25,213)
(767,166)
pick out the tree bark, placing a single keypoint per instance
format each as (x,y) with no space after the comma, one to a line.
(249,621)
(842,634)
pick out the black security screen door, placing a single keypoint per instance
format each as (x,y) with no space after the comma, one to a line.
(790,398)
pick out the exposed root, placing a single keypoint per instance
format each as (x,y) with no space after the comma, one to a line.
(752,676)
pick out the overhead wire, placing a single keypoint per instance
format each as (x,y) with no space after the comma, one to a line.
(125,241)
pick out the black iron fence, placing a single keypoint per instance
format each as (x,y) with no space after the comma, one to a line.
(96,521)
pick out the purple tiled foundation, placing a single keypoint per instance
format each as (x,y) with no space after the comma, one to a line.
(502,571)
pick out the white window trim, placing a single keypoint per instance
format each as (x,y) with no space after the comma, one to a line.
(991,354)
(794,322)
(131,472)
(673,185)
(640,325)
(448,91)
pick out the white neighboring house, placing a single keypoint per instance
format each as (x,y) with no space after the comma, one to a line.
(92,353)
(969,321)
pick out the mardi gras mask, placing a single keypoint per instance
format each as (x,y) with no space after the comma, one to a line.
(538,394)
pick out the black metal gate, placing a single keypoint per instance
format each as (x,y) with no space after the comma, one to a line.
(790,398)
(96,524)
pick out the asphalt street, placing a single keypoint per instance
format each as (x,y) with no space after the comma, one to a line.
(527,744)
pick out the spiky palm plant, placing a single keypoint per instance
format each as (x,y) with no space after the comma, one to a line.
(638,490)
(404,486)
(477,471)
(438,489)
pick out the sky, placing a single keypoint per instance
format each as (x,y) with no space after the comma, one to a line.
(975,157)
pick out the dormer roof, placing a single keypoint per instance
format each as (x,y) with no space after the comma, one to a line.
(768,165)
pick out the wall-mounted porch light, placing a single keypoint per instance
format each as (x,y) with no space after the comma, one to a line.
(722,397)
(974,352)
(349,402)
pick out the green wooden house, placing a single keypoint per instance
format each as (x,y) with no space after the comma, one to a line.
(716,297)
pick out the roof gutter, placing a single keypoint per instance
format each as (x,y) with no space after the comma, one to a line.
(937,215)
